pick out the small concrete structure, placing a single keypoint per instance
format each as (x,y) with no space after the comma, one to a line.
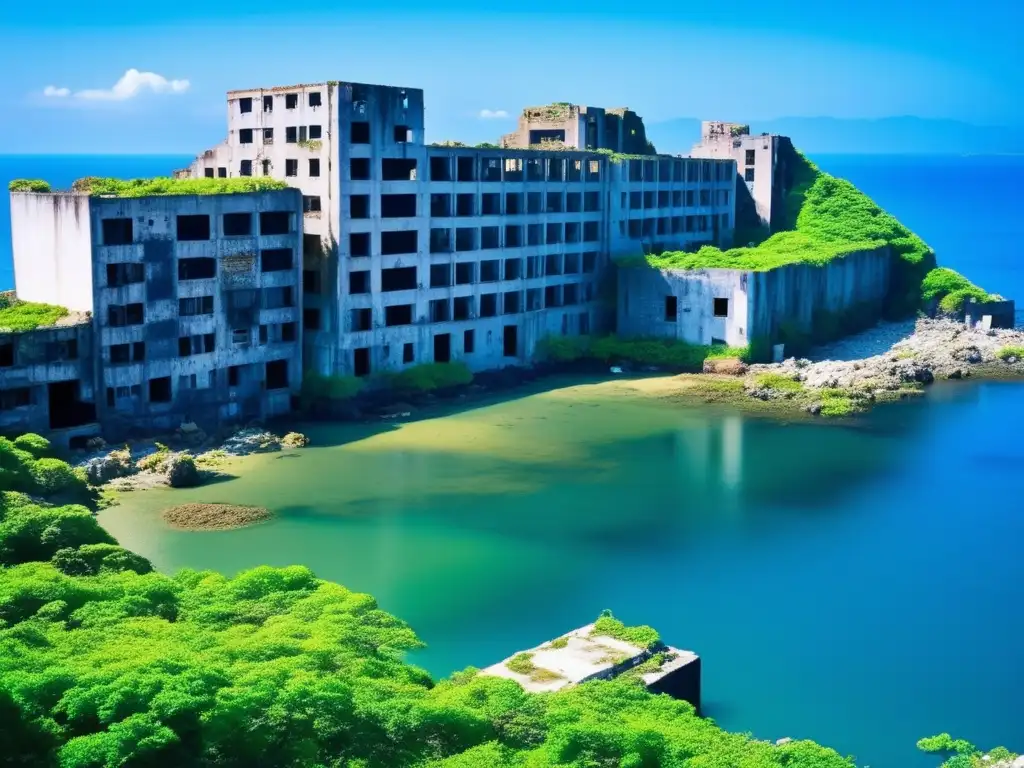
(1001,313)
(580,656)
(573,126)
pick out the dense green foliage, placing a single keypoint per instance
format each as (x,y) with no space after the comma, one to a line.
(960,753)
(17,316)
(428,377)
(826,218)
(950,289)
(26,468)
(105,663)
(316,387)
(1011,353)
(641,636)
(779,382)
(28,185)
(661,352)
(163,185)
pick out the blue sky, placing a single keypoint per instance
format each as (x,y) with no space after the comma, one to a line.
(734,60)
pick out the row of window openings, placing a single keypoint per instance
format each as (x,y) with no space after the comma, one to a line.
(196,227)
(557,169)
(279,297)
(720,308)
(680,170)
(293,134)
(291,101)
(465,307)
(159,389)
(515,203)
(477,238)
(54,352)
(672,225)
(674,198)
(198,268)
(201,344)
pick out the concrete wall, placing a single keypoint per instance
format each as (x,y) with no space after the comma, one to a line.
(50,237)
(725,141)
(759,303)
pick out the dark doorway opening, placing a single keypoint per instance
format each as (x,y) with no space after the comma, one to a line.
(66,407)
(510,342)
(442,348)
(361,361)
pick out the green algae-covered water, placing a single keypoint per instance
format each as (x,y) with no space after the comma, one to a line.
(859,585)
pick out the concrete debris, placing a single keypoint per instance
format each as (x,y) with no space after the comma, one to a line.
(251,440)
(294,440)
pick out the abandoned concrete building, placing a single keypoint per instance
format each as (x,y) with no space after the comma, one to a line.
(195,309)
(416,253)
(577,127)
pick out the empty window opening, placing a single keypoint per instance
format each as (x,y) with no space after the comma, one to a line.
(359,206)
(749,156)
(465,204)
(535,169)
(553,296)
(268,103)
(535,234)
(359,169)
(222,172)
(574,202)
(160,390)
(66,406)
(554,233)
(442,347)
(360,133)
(408,353)
(359,244)
(125,274)
(466,169)
(314,167)
(440,311)
(440,240)
(533,299)
(245,136)
(513,236)
(291,167)
(398,169)
(441,205)
(275,223)
(240,336)
(120,315)
(359,282)
(15,398)
(488,304)
(671,309)
(465,273)
(490,237)
(533,266)
(591,231)
(463,309)
(361,319)
(513,169)
(468,342)
(570,294)
(398,279)
(197,269)
(513,269)
(398,314)
(513,203)
(277,374)
(572,264)
(490,169)
(555,202)
(721,307)
(311,281)
(465,239)
(195,345)
(245,168)
(490,271)
(311,203)
(440,169)
(208,173)
(291,134)
(7,355)
(311,318)
(117,232)
(196,305)
(276,260)
(512,302)
(440,275)
(533,202)
(748,174)
(245,105)
(398,242)
(510,341)
(278,297)
(398,206)
(291,100)
(490,204)
(314,99)
(572,231)
(403,134)
(237,224)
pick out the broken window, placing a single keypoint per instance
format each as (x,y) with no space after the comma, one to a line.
(245,168)
(275,223)
(361,319)
(117,232)
(591,231)
(513,269)
(573,202)
(208,173)
(552,296)
(403,134)
(553,264)
(397,206)
(311,203)
(533,202)
(490,169)
(291,134)
(125,274)
(291,100)
(572,231)
(237,224)
(465,273)
(512,302)
(398,314)
(468,342)
(195,345)
(748,174)
(440,240)
(534,265)
(359,282)
(490,204)
(572,263)
(276,260)
(554,233)
(222,173)
(277,374)
(440,310)
(398,279)
(570,294)
(534,234)
(315,132)
(398,169)
(705,197)
(197,305)
(240,336)
(589,262)
(488,305)
(721,307)
(314,99)
(513,203)
(441,205)
(15,398)
(120,315)
(440,275)
(465,239)
(291,167)
(314,167)
(671,309)
(535,169)
(359,169)
(404,241)
(160,390)
(311,319)
(513,236)
(360,132)
(490,271)
(534,299)
(513,169)
(197,269)
(750,157)
(359,206)
(465,168)
(245,105)
(440,168)
(490,237)
(245,136)
(359,244)
(463,309)
(465,204)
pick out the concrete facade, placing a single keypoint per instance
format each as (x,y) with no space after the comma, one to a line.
(417,253)
(577,127)
(196,301)
(735,307)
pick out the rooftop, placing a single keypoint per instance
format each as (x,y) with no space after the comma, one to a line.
(161,185)
(18,316)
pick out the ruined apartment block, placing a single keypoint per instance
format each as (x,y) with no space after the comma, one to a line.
(196,300)
(417,253)
(578,127)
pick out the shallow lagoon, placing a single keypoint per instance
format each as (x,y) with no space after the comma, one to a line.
(860,585)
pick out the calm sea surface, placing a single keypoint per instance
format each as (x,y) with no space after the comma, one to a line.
(858,585)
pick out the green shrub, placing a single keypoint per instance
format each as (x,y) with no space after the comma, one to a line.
(521,664)
(641,636)
(837,402)
(779,382)
(22,316)
(35,444)
(431,376)
(162,185)
(55,476)
(661,352)
(1009,353)
(950,289)
(316,387)
(28,185)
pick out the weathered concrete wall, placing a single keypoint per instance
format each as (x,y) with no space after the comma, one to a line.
(732,141)
(50,236)
(756,304)
(1003,313)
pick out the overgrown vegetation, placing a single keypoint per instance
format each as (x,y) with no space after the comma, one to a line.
(641,635)
(521,664)
(779,382)
(837,403)
(105,663)
(17,316)
(28,466)
(1011,353)
(660,352)
(163,185)
(332,388)
(28,185)
(960,753)
(950,290)
(429,377)
(825,218)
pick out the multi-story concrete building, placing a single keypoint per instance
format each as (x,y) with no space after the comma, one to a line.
(577,127)
(417,253)
(761,182)
(195,300)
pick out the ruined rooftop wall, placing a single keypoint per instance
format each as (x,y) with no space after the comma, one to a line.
(50,237)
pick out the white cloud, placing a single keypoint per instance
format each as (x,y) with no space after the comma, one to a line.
(131,84)
(488,114)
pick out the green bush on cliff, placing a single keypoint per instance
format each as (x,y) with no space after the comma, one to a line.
(660,352)
(961,753)
(950,289)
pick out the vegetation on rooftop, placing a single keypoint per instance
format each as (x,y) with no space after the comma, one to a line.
(950,290)
(17,316)
(28,185)
(163,185)
(641,636)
